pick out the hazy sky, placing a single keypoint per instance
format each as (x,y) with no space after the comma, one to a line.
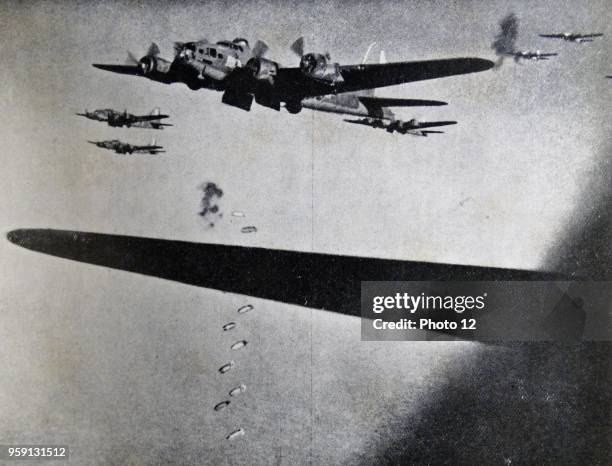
(496,189)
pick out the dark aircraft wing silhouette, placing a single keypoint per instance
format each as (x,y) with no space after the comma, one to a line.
(151,117)
(433,124)
(577,36)
(320,281)
(389,102)
(359,77)
(433,132)
(121,69)
(293,83)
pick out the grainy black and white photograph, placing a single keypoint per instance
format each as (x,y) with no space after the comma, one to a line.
(306,232)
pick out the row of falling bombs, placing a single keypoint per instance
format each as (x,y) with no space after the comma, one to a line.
(241,388)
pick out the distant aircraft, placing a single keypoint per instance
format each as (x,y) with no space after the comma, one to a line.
(413,127)
(244,75)
(363,103)
(125,148)
(527,55)
(120,119)
(572,37)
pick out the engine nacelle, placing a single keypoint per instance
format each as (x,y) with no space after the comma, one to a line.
(316,66)
(312,62)
(263,70)
(149,65)
(294,106)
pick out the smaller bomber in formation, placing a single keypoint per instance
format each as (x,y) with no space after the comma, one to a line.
(528,55)
(126,148)
(120,119)
(573,37)
(413,127)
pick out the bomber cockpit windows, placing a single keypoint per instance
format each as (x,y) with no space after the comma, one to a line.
(212,53)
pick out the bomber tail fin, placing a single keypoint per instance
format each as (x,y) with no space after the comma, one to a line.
(382,59)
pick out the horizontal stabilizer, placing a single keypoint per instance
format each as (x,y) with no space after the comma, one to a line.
(359,122)
(388,102)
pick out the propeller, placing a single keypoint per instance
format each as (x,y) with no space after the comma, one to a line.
(260,49)
(146,63)
(153,51)
(178,46)
(298,47)
(131,59)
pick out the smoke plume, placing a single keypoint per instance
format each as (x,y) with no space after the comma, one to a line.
(211,193)
(505,41)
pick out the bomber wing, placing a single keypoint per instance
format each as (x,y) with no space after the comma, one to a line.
(359,77)
(121,69)
(147,147)
(150,117)
(293,83)
(433,124)
(320,281)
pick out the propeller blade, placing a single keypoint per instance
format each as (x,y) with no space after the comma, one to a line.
(153,50)
(298,47)
(260,49)
(178,46)
(131,59)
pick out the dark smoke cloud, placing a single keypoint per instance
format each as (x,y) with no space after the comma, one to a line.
(211,211)
(505,41)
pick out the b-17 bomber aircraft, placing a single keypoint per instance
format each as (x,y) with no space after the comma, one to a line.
(244,75)
(120,119)
(126,148)
(572,37)
(527,55)
(412,127)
